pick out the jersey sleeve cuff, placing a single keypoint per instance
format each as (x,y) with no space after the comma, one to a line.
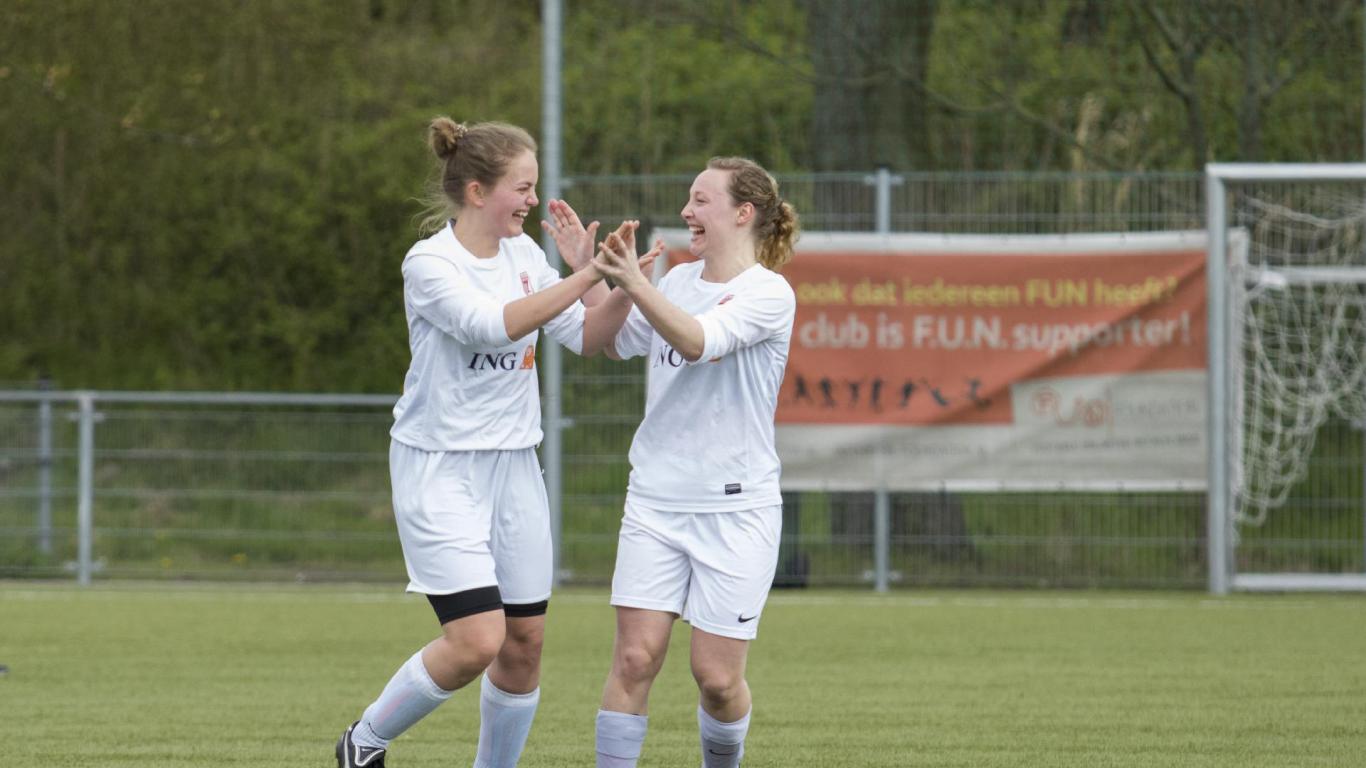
(496,331)
(712,335)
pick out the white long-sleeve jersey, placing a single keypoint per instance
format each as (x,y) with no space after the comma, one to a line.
(469,387)
(706,443)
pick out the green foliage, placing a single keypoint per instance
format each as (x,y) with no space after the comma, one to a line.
(217,194)
(661,87)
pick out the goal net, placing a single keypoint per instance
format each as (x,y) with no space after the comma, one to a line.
(1287,479)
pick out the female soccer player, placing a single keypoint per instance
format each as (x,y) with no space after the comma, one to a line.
(469,500)
(699,538)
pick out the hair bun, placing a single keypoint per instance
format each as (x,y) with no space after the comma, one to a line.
(444,136)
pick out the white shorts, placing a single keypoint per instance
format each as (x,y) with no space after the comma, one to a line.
(470,519)
(714,568)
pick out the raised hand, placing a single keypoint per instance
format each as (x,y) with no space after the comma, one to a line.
(572,238)
(627,232)
(619,262)
(647,262)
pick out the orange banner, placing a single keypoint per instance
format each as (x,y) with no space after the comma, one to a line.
(962,360)
(932,338)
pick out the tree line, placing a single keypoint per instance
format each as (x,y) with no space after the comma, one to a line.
(216,195)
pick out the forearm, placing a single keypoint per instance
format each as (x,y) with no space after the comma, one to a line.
(681,330)
(595,295)
(602,322)
(527,314)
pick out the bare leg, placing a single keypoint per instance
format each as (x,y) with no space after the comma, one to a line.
(641,642)
(718,666)
(510,694)
(517,668)
(466,647)
(637,656)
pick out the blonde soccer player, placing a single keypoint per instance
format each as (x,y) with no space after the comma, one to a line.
(469,500)
(699,537)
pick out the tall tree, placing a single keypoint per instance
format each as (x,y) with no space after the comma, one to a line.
(1236,57)
(869,59)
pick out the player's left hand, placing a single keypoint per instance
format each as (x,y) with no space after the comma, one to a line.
(617,260)
(572,238)
(646,262)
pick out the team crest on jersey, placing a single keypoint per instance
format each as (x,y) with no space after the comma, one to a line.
(529,356)
(526,286)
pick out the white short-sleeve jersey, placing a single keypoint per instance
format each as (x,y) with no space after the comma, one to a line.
(706,442)
(469,387)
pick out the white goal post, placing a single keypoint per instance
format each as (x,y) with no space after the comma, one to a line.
(1287,349)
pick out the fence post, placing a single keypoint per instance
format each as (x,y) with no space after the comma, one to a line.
(86,490)
(882,536)
(551,54)
(884,200)
(45,469)
(882,181)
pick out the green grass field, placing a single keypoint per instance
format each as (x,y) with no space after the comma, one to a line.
(156,675)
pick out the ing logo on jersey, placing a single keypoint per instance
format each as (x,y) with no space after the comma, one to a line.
(526,283)
(668,356)
(503,361)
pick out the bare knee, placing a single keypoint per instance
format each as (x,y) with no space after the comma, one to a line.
(522,647)
(471,649)
(525,636)
(637,663)
(718,685)
(485,649)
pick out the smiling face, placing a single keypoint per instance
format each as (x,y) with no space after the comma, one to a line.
(710,214)
(507,204)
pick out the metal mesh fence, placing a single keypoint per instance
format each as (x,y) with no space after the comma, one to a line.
(1016,539)
(985,202)
(222,491)
(299,491)
(37,490)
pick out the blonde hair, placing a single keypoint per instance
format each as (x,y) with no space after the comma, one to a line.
(775,220)
(479,152)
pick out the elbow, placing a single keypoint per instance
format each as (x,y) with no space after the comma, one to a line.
(692,342)
(511,328)
(514,324)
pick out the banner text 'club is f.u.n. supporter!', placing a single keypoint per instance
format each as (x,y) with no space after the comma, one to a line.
(976,362)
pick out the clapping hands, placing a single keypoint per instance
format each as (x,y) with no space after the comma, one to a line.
(572,238)
(616,258)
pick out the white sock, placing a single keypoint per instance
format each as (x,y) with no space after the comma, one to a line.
(504,722)
(620,736)
(723,744)
(410,695)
